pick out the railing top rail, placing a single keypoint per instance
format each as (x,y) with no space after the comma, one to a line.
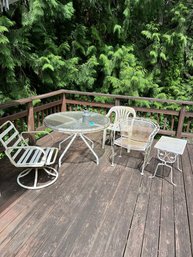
(29,99)
(64,91)
(179,102)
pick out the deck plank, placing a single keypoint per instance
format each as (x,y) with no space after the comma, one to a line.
(41,211)
(188,186)
(167,235)
(152,228)
(92,211)
(182,236)
(98,210)
(112,235)
(135,235)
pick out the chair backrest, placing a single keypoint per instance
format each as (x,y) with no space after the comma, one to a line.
(139,136)
(9,135)
(144,129)
(121,113)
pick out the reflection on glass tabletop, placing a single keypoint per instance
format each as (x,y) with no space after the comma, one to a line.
(74,122)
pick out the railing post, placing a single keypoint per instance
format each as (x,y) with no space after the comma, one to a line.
(181,121)
(30,122)
(63,108)
(117,102)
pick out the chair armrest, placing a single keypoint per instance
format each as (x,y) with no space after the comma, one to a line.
(35,132)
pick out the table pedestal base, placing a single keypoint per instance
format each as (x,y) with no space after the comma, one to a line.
(84,138)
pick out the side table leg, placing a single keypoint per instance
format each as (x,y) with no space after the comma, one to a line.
(159,164)
(178,164)
(171,171)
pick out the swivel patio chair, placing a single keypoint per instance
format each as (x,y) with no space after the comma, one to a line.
(117,114)
(33,158)
(136,134)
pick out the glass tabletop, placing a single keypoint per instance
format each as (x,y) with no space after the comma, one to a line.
(74,122)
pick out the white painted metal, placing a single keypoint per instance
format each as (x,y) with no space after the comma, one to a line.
(135,134)
(168,151)
(4,4)
(91,148)
(33,158)
(67,147)
(121,113)
(75,124)
(85,140)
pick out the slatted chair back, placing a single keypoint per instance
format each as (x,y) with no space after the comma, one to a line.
(10,137)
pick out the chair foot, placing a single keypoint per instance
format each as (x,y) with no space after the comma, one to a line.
(37,185)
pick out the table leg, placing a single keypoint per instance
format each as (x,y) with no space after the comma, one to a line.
(92,143)
(64,141)
(87,144)
(73,137)
(66,149)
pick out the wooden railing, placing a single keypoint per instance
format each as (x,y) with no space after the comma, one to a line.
(29,116)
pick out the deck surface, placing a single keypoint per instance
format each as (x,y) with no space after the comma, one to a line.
(99,211)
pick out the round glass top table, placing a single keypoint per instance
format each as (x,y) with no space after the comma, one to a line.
(77,123)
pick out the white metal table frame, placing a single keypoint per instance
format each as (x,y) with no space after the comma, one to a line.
(168,151)
(72,123)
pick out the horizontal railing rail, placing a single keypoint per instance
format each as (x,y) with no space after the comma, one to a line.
(28,116)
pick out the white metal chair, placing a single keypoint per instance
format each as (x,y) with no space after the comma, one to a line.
(136,134)
(117,114)
(33,158)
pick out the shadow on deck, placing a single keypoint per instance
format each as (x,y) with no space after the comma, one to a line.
(99,211)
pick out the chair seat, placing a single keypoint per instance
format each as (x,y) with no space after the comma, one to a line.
(131,144)
(34,156)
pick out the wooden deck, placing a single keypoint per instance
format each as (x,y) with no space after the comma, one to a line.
(99,211)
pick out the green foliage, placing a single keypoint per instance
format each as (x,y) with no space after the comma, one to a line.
(138,48)
(124,74)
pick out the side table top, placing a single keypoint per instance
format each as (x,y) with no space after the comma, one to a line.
(171,144)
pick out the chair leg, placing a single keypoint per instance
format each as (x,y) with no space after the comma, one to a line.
(112,135)
(49,170)
(112,155)
(146,158)
(36,178)
(143,168)
(104,138)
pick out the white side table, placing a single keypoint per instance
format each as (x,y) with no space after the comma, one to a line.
(168,151)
